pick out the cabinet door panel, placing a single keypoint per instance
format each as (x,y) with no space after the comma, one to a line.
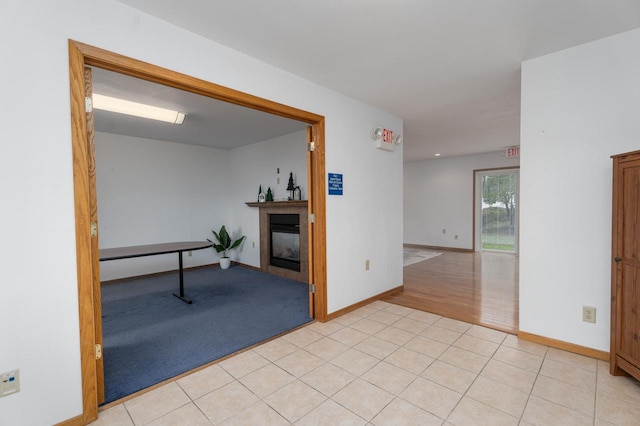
(630,213)
(629,345)
(625,276)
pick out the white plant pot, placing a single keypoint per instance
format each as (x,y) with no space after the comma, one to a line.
(225,262)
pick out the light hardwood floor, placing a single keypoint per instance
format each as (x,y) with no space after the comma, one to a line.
(479,288)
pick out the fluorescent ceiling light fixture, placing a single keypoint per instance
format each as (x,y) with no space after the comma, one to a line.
(437,155)
(107,103)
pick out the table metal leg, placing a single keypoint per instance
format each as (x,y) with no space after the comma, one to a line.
(181,295)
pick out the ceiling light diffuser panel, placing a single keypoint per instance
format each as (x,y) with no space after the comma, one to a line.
(121,106)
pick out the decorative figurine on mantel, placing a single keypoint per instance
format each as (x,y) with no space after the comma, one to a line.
(269,194)
(291,187)
(297,193)
(261,196)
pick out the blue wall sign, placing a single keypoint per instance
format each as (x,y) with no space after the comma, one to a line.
(335,183)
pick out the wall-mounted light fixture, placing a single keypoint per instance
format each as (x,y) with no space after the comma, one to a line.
(376,133)
(107,103)
(385,139)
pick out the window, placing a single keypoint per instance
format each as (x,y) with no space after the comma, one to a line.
(497,210)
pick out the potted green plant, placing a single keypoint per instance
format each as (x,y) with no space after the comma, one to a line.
(224,244)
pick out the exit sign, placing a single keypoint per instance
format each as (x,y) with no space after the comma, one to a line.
(387,135)
(386,140)
(513,151)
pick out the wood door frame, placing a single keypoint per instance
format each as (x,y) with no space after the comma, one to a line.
(81,55)
(95,246)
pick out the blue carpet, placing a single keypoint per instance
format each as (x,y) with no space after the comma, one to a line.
(149,335)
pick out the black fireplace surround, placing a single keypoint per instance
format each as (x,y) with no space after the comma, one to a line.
(284,241)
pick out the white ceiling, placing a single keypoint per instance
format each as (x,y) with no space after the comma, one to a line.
(209,122)
(449,68)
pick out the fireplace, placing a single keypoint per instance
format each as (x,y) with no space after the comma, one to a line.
(284,241)
(293,233)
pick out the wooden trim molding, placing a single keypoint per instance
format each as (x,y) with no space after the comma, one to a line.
(82,206)
(104,59)
(317,207)
(74,421)
(565,346)
(362,303)
(81,55)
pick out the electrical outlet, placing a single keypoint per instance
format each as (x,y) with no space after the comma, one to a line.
(9,383)
(366,265)
(588,314)
(456,237)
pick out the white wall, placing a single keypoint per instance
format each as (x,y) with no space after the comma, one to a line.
(438,194)
(365,222)
(39,315)
(152,191)
(255,165)
(579,107)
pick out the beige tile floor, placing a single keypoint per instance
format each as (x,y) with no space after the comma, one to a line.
(389,365)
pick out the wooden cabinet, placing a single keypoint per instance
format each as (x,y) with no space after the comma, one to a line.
(625,266)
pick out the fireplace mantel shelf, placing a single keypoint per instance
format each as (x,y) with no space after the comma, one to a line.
(268,204)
